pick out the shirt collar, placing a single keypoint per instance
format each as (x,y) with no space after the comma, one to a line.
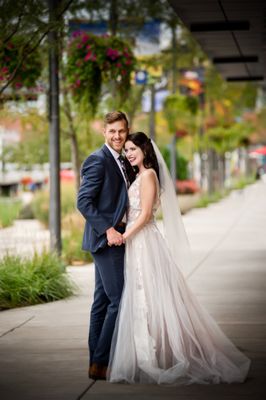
(114,153)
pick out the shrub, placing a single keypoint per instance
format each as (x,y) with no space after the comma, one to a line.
(26,212)
(28,281)
(181,163)
(40,203)
(73,226)
(9,210)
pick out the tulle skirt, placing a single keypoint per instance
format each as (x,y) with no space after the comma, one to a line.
(162,334)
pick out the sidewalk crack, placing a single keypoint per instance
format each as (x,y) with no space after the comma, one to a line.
(85,391)
(16,327)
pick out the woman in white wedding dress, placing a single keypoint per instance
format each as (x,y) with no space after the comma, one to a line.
(163,335)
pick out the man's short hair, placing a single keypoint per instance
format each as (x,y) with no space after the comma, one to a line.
(115,116)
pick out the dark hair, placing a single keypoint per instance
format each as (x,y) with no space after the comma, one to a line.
(140,139)
(115,116)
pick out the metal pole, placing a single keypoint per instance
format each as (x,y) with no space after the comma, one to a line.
(54,127)
(152,112)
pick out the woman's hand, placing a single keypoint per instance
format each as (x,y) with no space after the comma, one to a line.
(124,236)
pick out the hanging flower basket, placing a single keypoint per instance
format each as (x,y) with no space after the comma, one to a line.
(28,73)
(95,60)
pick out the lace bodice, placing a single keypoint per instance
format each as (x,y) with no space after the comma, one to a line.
(135,203)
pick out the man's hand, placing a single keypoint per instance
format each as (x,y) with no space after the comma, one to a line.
(114,237)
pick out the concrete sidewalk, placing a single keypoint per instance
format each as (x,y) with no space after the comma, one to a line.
(43,349)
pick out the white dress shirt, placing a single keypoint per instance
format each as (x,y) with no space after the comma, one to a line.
(115,154)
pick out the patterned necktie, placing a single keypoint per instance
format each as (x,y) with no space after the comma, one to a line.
(123,165)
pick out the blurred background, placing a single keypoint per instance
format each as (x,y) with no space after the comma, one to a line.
(184,74)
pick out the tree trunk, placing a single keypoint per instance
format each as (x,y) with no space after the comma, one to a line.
(174,58)
(113,17)
(73,141)
(75,158)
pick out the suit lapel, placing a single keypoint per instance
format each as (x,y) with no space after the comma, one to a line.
(112,160)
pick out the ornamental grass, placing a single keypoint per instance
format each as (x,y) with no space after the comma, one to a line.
(28,281)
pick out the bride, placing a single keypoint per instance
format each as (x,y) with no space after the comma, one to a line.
(163,335)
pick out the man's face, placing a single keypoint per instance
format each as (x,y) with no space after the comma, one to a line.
(115,135)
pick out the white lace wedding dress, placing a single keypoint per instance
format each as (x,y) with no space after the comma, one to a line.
(163,335)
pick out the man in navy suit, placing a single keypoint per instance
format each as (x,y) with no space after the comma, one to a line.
(102,200)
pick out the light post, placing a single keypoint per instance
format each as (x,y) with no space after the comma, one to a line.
(54,127)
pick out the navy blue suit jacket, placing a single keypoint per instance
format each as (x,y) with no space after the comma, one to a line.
(102,197)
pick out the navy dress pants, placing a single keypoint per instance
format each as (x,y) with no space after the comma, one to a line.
(109,282)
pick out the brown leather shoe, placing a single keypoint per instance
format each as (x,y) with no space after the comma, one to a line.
(97,372)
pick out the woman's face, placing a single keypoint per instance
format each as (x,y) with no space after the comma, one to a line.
(134,154)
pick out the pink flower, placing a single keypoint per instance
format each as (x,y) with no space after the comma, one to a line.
(88,56)
(76,34)
(88,46)
(128,62)
(119,65)
(85,38)
(18,85)
(77,83)
(79,45)
(4,70)
(112,53)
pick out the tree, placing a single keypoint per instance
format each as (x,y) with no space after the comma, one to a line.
(22,30)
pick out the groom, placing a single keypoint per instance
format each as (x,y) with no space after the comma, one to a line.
(102,200)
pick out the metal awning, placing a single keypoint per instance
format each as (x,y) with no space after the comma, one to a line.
(231,32)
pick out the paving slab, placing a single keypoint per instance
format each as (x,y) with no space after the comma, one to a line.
(43,348)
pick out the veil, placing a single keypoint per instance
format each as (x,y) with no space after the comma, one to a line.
(174,231)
